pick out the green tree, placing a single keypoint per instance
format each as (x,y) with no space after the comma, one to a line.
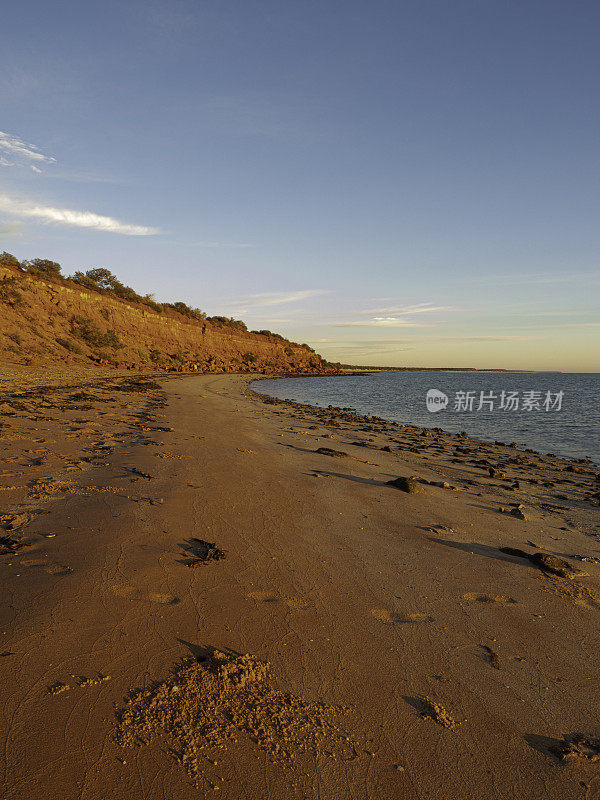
(8,260)
(103,278)
(43,267)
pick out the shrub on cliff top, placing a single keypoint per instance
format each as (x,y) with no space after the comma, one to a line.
(229,322)
(185,310)
(266,332)
(103,281)
(8,260)
(42,268)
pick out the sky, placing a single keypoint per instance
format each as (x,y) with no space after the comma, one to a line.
(394,183)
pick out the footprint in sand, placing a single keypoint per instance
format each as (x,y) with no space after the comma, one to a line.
(131,593)
(392,618)
(263,596)
(298,603)
(58,569)
(51,569)
(164,599)
(481,597)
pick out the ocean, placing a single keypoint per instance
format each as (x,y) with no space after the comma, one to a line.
(526,408)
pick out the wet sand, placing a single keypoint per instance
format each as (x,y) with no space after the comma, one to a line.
(416,648)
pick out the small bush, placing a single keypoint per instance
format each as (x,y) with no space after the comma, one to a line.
(70,345)
(14,337)
(106,357)
(8,292)
(229,322)
(270,333)
(110,339)
(148,300)
(250,357)
(83,328)
(186,311)
(157,357)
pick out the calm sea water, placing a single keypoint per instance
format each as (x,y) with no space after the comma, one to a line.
(572,432)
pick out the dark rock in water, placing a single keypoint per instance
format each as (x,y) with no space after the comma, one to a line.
(409,485)
(327,451)
(387,448)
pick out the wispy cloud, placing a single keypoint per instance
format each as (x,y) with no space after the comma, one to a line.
(18,153)
(11,228)
(381,322)
(490,338)
(391,316)
(353,349)
(277,298)
(419,308)
(66,216)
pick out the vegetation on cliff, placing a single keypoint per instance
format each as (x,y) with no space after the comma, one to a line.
(93,316)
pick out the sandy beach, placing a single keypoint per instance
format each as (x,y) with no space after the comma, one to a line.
(171,537)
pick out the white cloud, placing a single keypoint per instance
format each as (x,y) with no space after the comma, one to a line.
(381,322)
(66,216)
(19,153)
(397,316)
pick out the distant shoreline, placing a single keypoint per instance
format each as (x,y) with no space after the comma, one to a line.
(345,367)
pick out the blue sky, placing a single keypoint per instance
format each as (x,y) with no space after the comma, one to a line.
(393,182)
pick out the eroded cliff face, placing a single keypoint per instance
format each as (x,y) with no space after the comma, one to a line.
(49,323)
